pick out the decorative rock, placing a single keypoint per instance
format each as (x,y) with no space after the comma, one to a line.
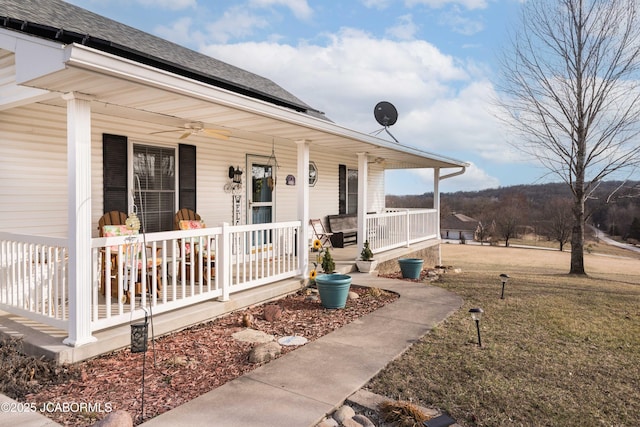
(253,336)
(118,418)
(350,422)
(272,312)
(328,422)
(353,295)
(342,413)
(363,421)
(264,352)
(292,340)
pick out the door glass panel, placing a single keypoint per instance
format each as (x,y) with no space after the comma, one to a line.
(261,200)
(261,191)
(262,183)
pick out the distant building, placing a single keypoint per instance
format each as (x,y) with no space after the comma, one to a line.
(458,226)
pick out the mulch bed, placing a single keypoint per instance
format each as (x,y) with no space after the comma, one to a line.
(177,367)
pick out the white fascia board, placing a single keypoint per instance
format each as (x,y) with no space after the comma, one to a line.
(108,64)
(32,56)
(35,57)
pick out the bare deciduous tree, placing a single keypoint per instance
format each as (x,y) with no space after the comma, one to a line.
(571,89)
(559,221)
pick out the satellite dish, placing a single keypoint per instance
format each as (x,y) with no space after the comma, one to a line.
(385,113)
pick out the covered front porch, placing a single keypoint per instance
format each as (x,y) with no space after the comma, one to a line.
(44,325)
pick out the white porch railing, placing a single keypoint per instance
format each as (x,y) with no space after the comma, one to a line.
(33,278)
(401,227)
(178,268)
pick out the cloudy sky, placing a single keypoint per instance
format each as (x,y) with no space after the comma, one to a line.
(435,60)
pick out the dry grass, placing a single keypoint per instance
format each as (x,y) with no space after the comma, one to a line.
(557,351)
(402,414)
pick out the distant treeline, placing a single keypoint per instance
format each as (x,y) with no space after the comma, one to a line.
(614,206)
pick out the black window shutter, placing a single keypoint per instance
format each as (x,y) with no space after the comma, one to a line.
(342,189)
(114,173)
(187,176)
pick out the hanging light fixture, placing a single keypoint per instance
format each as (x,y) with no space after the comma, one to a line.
(273,163)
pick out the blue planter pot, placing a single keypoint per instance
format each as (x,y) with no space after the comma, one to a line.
(333,289)
(411,267)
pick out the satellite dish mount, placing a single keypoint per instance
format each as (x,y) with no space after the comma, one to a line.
(386,114)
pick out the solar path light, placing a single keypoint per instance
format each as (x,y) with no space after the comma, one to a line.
(504,278)
(476,314)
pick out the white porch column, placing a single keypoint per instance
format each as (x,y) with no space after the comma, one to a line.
(79,188)
(303,206)
(436,206)
(224,266)
(363,202)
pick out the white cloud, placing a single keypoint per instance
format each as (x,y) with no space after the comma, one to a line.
(420,181)
(406,29)
(443,103)
(376,4)
(438,4)
(459,23)
(236,22)
(169,4)
(300,8)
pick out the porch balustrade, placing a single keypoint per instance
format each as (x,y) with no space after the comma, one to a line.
(397,228)
(33,278)
(165,270)
(173,269)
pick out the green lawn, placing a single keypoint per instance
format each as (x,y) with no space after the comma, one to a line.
(557,351)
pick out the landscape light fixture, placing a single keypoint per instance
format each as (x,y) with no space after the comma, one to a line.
(504,278)
(476,314)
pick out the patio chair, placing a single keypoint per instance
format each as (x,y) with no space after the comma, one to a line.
(113,224)
(109,218)
(187,219)
(320,233)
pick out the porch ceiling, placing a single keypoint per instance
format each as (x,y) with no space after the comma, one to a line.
(122,88)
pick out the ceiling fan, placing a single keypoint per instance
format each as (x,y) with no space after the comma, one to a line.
(196,128)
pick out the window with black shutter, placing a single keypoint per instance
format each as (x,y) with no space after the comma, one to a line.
(154,168)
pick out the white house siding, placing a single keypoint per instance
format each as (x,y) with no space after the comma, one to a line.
(33,177)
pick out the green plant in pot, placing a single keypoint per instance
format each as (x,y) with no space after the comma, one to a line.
(366,263)
(332,287)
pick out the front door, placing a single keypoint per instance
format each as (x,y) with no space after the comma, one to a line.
(260,190)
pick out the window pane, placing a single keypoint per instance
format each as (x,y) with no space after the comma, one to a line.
(154,167)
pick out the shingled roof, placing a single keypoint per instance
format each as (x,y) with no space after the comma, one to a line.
(60,21)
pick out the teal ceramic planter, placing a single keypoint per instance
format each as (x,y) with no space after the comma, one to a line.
(333,289)
(411,267)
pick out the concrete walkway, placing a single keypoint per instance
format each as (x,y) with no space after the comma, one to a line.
(300,388)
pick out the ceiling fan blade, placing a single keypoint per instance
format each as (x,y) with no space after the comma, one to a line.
(186,134)
(218,133)
(165,131)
